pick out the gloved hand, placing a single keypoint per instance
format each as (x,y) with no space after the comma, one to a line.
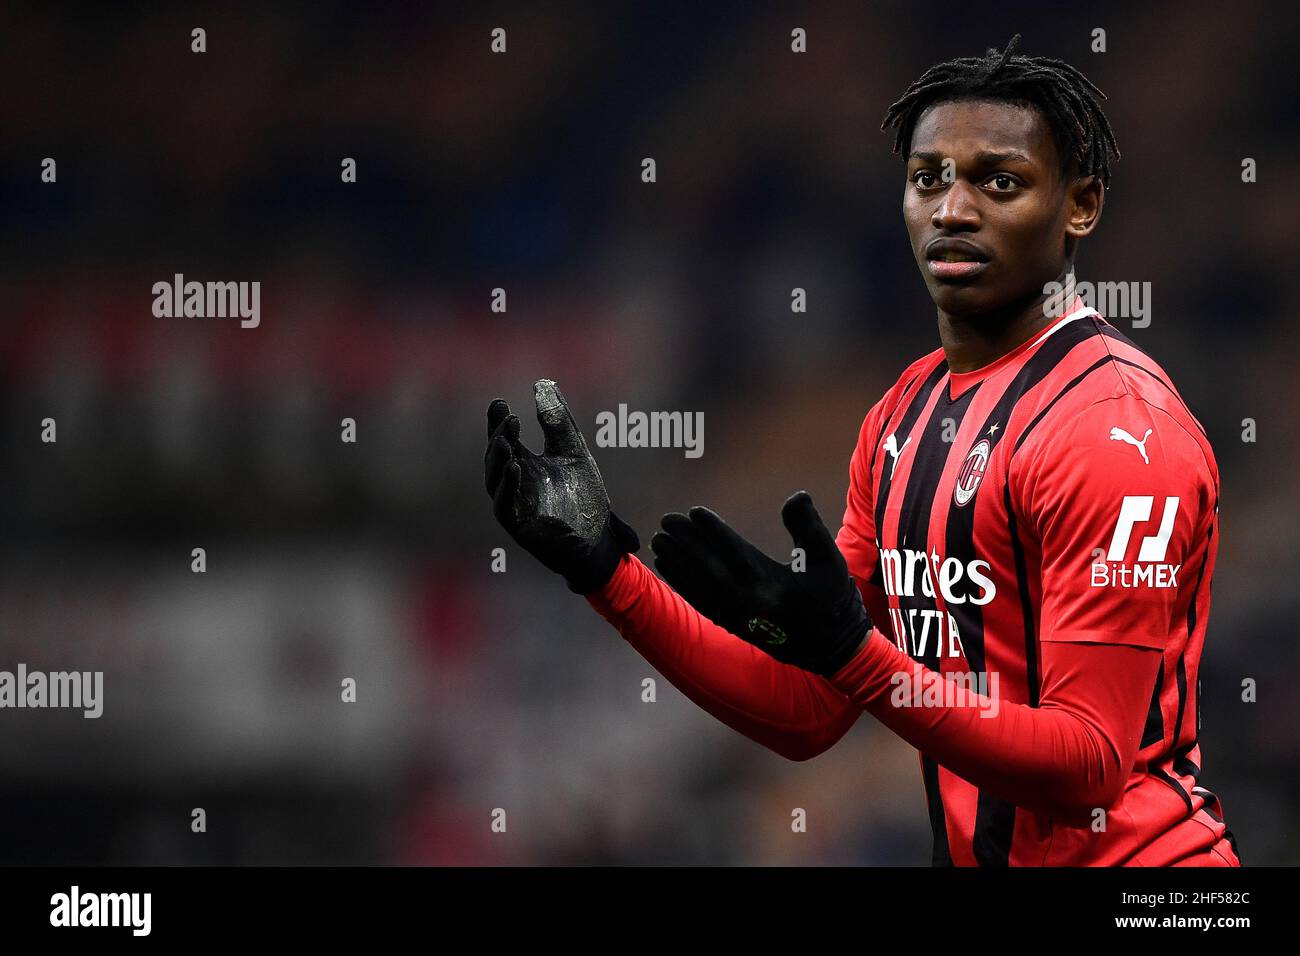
(554,504)
(813,618)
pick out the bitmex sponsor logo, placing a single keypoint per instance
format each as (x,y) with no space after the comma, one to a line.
(1150,570)
(75,908)
(927,688)
(74,689)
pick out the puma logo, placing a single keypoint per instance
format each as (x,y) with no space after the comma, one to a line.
(892,447)
(1118,434)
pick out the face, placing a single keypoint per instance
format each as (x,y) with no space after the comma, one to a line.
(991,231)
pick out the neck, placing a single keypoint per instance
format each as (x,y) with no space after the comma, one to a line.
(971,341)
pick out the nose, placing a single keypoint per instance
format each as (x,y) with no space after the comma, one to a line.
(958,210)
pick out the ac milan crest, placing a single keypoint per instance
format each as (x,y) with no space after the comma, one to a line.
(971,472)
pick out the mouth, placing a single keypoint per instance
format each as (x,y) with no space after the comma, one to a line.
(952,259)
(957,269)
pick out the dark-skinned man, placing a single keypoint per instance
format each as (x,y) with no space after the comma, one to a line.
(1023,599)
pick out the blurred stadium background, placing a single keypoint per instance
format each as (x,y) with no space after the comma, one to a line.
(325,560)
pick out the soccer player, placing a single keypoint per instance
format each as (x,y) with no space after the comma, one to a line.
(1021,584)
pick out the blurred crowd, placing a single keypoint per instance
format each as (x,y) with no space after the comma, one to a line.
(479,691)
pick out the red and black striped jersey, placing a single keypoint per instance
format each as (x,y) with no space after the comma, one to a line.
(1059,499)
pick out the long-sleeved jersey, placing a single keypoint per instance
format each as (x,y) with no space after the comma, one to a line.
(1034,541)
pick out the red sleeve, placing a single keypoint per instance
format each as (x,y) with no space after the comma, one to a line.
(794,712)
(789,710)
(1090,497)
(856,538)
(1063,759)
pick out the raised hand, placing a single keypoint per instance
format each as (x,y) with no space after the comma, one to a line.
(554,504)
(808,613)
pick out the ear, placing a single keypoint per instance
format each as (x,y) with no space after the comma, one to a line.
(1084,199)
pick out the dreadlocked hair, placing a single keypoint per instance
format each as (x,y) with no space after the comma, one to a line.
(1068,99)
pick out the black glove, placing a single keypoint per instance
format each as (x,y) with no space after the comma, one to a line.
(813,618)
(554,504)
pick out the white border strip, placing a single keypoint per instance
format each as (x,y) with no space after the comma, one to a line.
(1077,314)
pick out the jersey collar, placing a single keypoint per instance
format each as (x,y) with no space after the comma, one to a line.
(959,382)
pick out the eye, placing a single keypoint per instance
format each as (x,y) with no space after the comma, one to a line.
(925,178)
(1003,182)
